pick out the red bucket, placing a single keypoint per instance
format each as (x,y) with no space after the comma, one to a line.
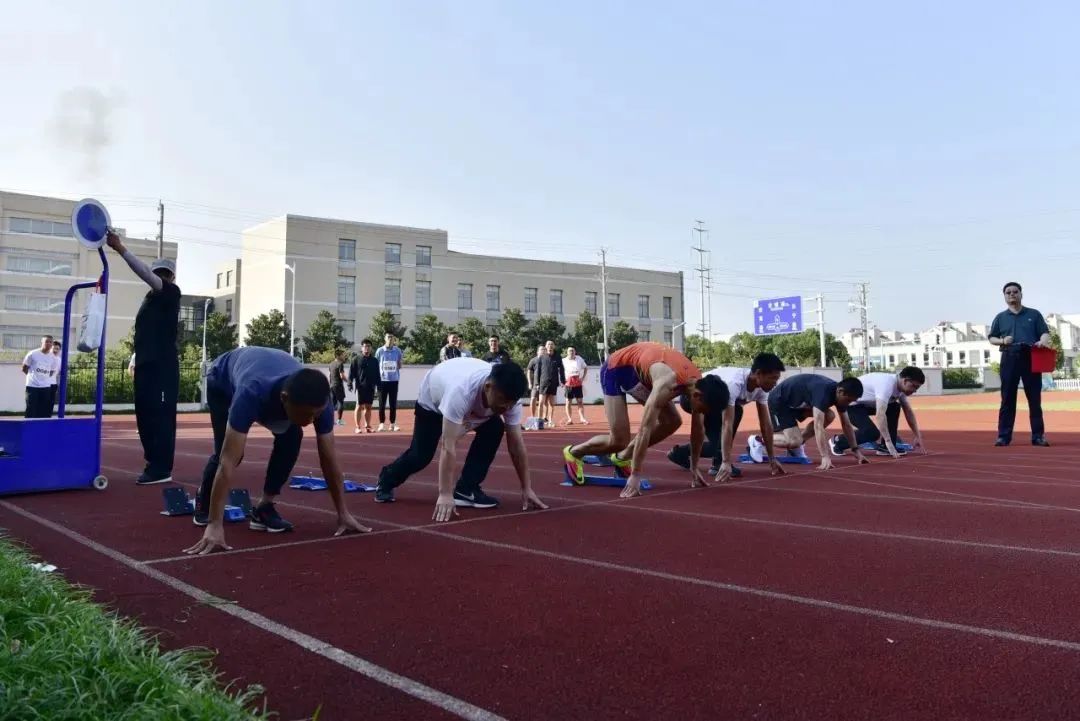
(1043,360)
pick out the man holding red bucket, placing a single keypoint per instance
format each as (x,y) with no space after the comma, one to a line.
(1024,340)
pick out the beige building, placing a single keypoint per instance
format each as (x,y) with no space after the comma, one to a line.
(226,290)
(40,259)
(354,270)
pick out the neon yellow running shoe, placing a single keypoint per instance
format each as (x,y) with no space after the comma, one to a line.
(623,468)
(575,469)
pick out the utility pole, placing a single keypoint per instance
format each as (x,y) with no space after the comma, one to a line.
(821,324)
(703,283)
(603,301)
(862,304)
(161,230)
(205,313)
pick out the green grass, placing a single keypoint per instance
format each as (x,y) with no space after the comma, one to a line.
(65,658)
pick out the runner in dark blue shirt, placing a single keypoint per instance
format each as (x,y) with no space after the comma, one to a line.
(269,387)
(1016,330)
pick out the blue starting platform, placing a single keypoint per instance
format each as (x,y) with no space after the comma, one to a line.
(794,460)
(312,483)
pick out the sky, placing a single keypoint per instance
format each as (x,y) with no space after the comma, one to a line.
(929,149)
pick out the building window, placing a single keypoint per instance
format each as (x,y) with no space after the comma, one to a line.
(39,227)
(423,256)
(348,329)
(219,280)
(668,337)
(948,358)
(644,335)
(986,357)
(892,360)
(531,300)
(926,359)
(914,359)
(346,290)
(590,302)
(33,303)
(643,306)
(667,307)
(613,305)
(26,341)
(45,266)
(963,357)
(464,296)
(228,307)
(423,294)
(346,250)
(493,297)
(393,253)
(392,292)
(556,302)
(228,279)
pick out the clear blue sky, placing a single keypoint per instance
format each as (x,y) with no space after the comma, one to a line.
(930,148)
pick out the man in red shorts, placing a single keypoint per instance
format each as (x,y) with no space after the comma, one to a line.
(655,375)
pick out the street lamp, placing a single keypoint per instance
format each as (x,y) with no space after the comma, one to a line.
(206,310)
(292,324)
(673,329)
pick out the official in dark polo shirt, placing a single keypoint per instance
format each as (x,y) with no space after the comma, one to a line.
(157,363)
(1016,329)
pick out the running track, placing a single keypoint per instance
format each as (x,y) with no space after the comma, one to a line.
(936,587)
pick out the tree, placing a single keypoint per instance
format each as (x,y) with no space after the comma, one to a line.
(221,335)
(543,329)
(474,335)
(1055,343)
(425,339)
(621,335)
(744,346)
(706,353)
(269,330)
(384,322)
(588,331)
(511,329)
(325,334)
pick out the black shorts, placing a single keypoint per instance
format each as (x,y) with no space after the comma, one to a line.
(784,417)
(365,395)
(337,393)
(575,393)
(550,388)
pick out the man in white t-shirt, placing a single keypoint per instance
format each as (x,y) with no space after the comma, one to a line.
(745,385)
(576,369)
(39,366)
(56,375)
(876,415)
(457,396)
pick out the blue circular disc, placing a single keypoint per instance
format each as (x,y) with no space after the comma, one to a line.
(91,223)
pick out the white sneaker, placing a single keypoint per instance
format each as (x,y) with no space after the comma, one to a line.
(381,428)
(395,427)
(356,430)
(833,440)
(756,449)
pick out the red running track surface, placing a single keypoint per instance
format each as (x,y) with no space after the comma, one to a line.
(939,586)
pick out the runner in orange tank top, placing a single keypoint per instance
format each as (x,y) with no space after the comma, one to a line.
(654,375)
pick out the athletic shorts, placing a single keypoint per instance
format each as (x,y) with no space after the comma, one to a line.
(574,393)
(365,395)
(784,417)
(550,388)
(621,381)
(337,393)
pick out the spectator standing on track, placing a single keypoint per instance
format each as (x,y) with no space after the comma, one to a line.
(534,382)
(452,349)
(803,396)
(745,385)
(884,396)
(655,375)
(549,371)
(39,367)
(131,366)
(157,363)
(574,371)
(337,384)
(270,387)
(496,354)
(1016,330)
(389,356)
(56,348)
(455,397)
(364,376)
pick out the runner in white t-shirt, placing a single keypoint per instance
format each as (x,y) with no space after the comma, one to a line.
(576,370)
(745,385)
(39,366)
(876,415)
(457,396)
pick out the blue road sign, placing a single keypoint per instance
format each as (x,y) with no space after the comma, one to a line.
(90,222)
(775,316)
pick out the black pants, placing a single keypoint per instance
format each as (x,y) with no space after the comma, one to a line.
(714,439)
(1016,367)
(425,441)
(282,457)
(157,386)
(38,402)
(388,390)
(866,430)
(338,394)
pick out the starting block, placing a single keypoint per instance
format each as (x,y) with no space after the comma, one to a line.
(613,481)
(311,483)
(870,446)
(602,461)
(796,460)
(177,502)
(535,424)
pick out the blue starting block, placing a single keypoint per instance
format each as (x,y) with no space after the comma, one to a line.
(870,446)
(311,483)
(602,461)
(177,502)
(613,481)
(795,460)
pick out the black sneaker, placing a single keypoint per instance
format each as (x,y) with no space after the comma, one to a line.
(266,518)
(202,509)
(678,459)
(1001,442)
(1040,441)
(476,499)
(146,479)
(384,495)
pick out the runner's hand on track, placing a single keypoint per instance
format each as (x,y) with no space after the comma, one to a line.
(444,508)
(346,523)
(697,479)
(632,487)
(213,537)
(775,468)
(529,499)
(724,474)
(826,464)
